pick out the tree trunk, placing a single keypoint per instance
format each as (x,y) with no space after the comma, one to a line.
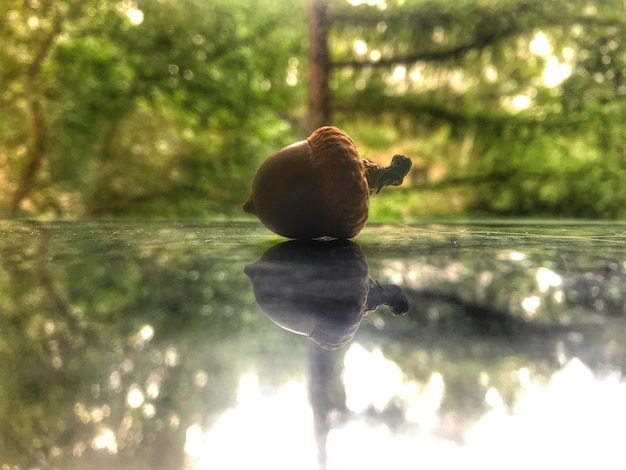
(35,157)
(319,65)
(36,153)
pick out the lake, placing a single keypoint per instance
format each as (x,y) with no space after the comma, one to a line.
(220,345)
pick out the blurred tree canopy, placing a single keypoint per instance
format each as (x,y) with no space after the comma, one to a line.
(160,108)
(510,107)
(150,107)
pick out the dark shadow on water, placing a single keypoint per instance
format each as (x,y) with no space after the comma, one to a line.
(320,289)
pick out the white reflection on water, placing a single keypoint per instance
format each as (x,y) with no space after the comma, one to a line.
(569,420)
(531,304)
(575,421)
(135,397)
(548,279)
(105,439)
(370,379)
(262,431)
(373,381)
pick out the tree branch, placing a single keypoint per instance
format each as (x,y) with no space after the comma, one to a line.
(365,103)
(437,55)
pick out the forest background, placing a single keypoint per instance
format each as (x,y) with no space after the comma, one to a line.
(165,108)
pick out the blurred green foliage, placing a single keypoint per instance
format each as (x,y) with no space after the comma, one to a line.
(508,107)
(151,108)
(156,108)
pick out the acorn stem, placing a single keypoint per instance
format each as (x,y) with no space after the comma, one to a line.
(392,175)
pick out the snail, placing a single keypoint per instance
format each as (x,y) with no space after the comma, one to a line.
(320,187)
(320,289)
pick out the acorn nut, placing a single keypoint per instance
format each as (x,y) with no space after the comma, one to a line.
(320,187)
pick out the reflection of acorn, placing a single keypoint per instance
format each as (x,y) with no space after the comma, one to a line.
(318,289)
(319,187)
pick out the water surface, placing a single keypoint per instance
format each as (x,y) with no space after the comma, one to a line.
(220,345)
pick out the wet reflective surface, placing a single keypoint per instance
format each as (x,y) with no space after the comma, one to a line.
(220,345)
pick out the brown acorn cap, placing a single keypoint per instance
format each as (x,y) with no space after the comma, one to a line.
(344,183)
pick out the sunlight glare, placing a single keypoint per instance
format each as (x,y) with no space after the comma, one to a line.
(135,397)
(248,390)
(105,440)
(574,422)
(135,16)
(370,379)
(524,376)
(494,400)
(555,72)
(360,445)
(512,255)
(200,378)
(146,332)
(33,22)
(359,47)
(171,356)
(547,280)
(423,407)
(193,441)
(292,72)
(415,75)
(398,74)
(531,304)
(276,428)
(521,102)
(540,45)
(491,73)
(149,410)
(152,390)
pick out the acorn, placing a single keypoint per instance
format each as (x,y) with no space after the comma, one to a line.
(320,187)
